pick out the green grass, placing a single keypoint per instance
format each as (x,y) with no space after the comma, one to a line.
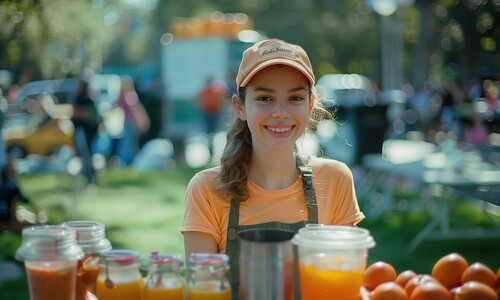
(143,211)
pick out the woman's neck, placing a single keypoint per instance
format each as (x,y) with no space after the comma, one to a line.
(273,171)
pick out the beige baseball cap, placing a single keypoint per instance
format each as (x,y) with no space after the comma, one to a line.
(273,52)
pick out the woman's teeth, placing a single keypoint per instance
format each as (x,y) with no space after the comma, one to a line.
(281,129)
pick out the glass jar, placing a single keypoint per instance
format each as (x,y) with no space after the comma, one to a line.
(90,237)
(50,254)
(163,280)
(119,276)
(207,277)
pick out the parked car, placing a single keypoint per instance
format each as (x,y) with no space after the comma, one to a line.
(38,121)
(43,132)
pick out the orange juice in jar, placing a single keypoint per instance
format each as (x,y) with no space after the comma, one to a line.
(332,260)
(209,290)
(54,282)
(119,276)
(91,238)
(50,254)
(207,277)
(86,275)
(163,280)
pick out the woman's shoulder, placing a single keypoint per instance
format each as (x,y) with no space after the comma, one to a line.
(329,165)
(205,176)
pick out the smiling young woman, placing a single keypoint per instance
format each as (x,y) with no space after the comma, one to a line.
(262,181)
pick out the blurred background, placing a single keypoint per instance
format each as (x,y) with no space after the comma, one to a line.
(414,86)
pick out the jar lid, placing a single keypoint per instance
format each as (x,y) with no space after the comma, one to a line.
(49,243)
(90,235)
(162,262)
(119,257)
(334,237)
(209,260)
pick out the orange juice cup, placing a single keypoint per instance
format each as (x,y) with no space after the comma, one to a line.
(50,254)
(332,260)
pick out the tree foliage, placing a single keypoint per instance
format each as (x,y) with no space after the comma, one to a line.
(61,37)
(54,37)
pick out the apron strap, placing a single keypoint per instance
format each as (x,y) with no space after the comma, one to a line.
(310,194)
(232,249)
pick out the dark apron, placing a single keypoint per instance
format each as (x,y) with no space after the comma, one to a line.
(233,244)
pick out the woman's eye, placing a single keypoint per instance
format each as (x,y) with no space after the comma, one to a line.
(263,98)
(297,98)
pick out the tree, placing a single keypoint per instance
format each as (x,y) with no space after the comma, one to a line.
(55,37)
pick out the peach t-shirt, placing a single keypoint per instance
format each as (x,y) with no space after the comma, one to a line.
(207,212)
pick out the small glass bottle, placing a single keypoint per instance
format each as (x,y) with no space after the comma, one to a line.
(207,277)
(90,236)
(163,280)
(119,276)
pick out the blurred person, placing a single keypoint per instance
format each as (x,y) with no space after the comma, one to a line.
(491,93)
(10,194)
(475,130)
(12,93)
(448,114)
(423,106)
(211,101)
(136,122)
(86,122)
(262,181)
(3,110)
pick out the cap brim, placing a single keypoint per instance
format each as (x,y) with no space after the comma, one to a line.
(277,61)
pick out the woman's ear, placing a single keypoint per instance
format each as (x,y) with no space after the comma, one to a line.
(312,99)
(239,107)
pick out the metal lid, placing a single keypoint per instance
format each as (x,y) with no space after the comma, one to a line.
(49,243)
(90,235)
(119,258)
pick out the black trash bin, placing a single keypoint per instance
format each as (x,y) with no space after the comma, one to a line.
(370,127)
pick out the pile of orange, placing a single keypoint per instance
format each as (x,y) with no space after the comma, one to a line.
(451,278)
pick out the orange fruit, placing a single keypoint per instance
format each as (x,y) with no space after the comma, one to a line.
(404,277)
(430,290)
(448,270)
(473,290)
(416,281)
(481,273)
(377,273)
(388,291)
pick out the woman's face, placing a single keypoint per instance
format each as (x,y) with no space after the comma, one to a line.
(276,107)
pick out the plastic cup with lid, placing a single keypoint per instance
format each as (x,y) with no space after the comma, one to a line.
(332,260)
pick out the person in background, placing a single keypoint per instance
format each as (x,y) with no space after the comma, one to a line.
(262,181)
(3,110)
(211,101)
(86,122)
(10,194)
(136,122)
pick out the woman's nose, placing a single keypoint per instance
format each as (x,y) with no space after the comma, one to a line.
(280,111)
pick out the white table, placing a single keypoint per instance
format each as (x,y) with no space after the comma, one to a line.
(463,169)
